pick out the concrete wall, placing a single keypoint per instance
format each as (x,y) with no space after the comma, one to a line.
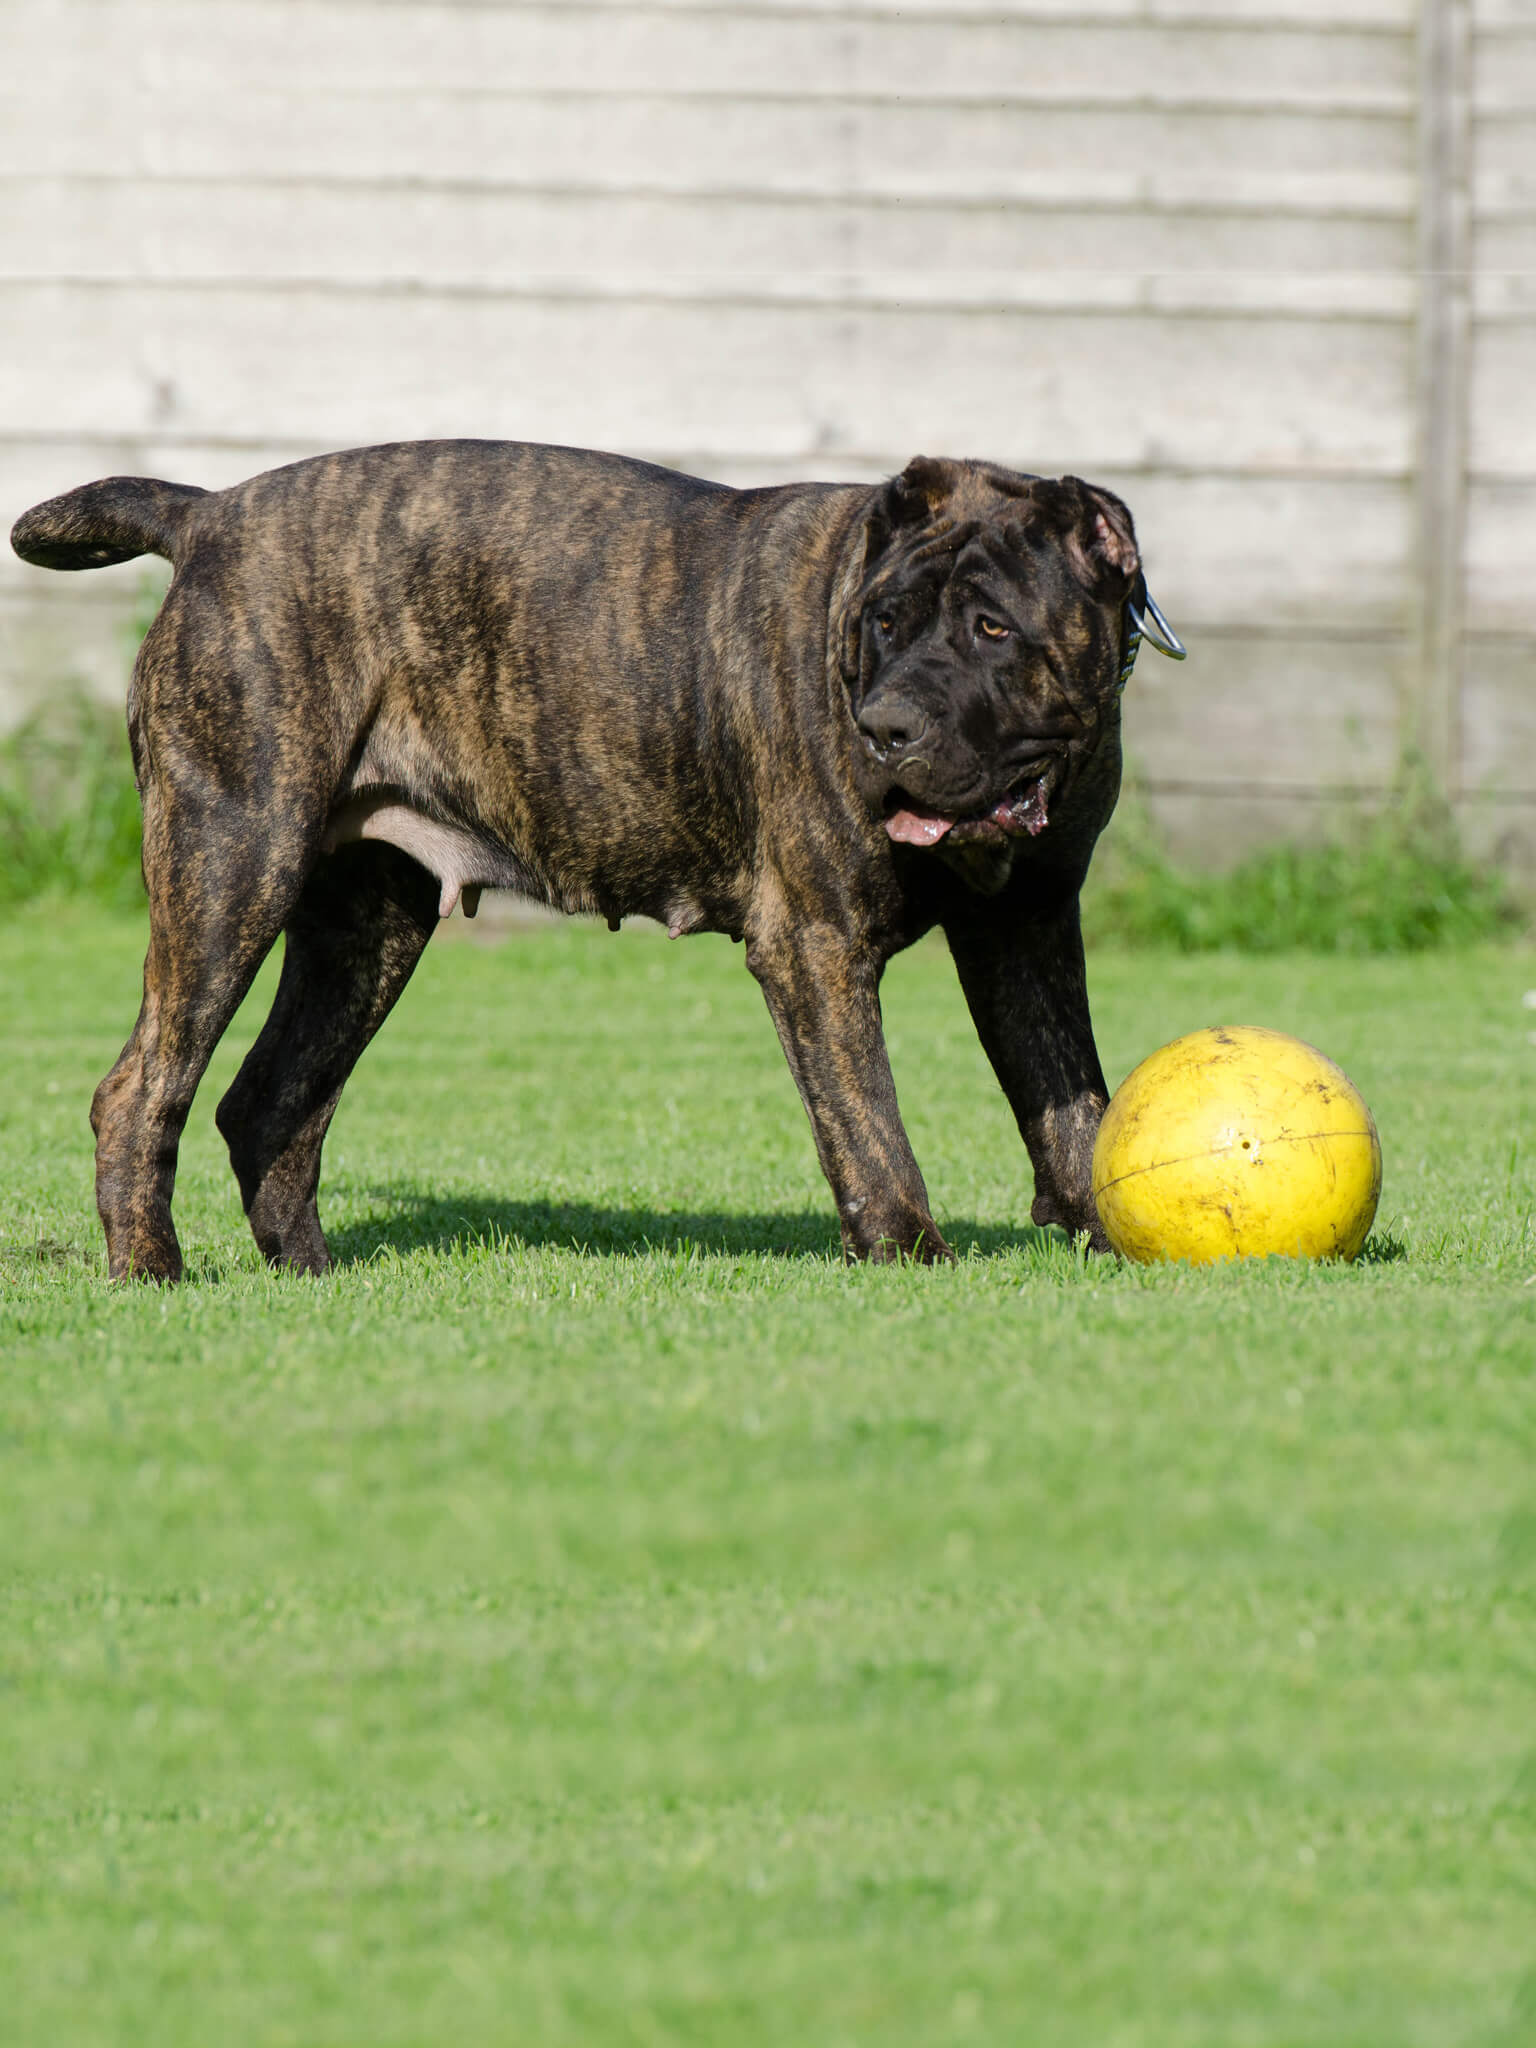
(1267,267)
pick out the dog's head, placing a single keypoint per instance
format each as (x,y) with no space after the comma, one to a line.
(982,646)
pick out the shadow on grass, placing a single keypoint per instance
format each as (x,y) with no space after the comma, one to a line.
(418,1221)
(23,1258)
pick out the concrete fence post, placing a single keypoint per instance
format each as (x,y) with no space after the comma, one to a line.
(1432,720)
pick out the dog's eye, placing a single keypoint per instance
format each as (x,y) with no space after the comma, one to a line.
(885,623)
(993,629)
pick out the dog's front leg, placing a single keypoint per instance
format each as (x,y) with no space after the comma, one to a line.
(1025,982)
(823,995)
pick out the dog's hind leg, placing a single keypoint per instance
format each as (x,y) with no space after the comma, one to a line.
(222,876)
(354,936)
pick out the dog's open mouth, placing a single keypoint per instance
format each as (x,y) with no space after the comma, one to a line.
(1023,810)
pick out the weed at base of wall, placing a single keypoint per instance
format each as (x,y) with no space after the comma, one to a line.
(1396,881)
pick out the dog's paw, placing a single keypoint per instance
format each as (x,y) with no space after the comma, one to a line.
(896,1241)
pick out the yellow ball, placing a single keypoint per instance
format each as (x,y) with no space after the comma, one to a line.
(1234,1143)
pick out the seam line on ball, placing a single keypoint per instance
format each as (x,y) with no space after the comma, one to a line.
(1188,1158)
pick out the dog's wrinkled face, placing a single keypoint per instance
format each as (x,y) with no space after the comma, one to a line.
(982,648)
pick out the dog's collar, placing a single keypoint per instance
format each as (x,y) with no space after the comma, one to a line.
(1145,621)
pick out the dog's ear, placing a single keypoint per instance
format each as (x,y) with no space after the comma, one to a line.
(908,500)
(919,491)
(1101,541)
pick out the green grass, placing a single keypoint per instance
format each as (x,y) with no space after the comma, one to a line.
(594,1615)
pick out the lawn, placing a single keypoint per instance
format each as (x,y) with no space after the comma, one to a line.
(594,1615)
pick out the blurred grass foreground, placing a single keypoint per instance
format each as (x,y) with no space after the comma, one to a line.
(1397,881)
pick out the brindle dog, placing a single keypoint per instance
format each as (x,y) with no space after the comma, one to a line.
(821,718)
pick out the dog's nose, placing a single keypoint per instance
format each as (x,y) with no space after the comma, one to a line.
(888,722)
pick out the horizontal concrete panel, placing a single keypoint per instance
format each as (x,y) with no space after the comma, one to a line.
(1502,831)
(1499,196)
(958,295)
(1216,827)
(1306,552)
(1504,158)
(1498,716)
(569,48)
(1503,399)
(321,232)
(48,648)
(654,142)
(337,367)
(1304,715)
(1504,71)
(1504,295)
(1227,553)
(1500,543)
(1505,243)
(1312,552)
(1323,16)
(1297,712)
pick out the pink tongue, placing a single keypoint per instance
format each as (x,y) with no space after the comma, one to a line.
(917,828)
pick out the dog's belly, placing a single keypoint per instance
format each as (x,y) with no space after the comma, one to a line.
(464,863)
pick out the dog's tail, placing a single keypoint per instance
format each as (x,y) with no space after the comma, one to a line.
(112,521)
